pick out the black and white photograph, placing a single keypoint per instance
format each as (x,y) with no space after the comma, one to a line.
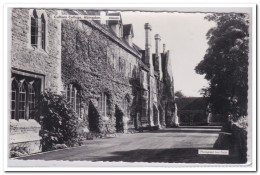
(122,86)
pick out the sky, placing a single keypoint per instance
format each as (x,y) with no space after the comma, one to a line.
(184,35)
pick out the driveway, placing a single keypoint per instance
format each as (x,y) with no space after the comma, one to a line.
(168,145)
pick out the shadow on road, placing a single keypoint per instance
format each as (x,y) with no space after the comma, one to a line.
(174,155)
(185,131)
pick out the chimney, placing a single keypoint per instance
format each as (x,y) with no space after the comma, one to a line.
(158,62)
(157,44)
(163,48)
(148,45)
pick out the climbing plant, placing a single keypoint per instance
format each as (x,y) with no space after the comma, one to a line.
(58,121)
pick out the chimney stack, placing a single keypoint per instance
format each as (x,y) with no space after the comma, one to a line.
(148,45)
(158,61)
(163,48)
(157,44)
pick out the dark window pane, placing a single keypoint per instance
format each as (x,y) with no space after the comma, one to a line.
(34,31)
(78,101)
(43,32)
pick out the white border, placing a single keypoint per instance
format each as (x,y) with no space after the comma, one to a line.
(163,167)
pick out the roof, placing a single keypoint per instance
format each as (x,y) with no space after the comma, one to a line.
(191,103)
(115,21)
(128,29)
(137,47)
(109,32)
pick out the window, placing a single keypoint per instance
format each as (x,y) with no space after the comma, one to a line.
(114,63)
(31,100)
(126,108)
(74,97)
(34,29)
(104,104)
(119,65)
(14,98)
(78,103)
(22,99)
(130,70)
(43,31)
(24,94)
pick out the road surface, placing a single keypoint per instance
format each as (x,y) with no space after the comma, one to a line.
(168,145)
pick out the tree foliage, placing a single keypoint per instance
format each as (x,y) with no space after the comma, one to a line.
(58,121)
(179,94)
(225,64)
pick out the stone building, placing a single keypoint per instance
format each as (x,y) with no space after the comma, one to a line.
(112,84)
(195,111)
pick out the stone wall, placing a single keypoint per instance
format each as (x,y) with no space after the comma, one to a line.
(36,59)
(31,61)
(97,64)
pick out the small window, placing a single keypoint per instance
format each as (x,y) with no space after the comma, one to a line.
(22,99)
(43,27)
(104,104)
(31,100)
(74,97)
(130,70)
(126,106)
(114,63)
(119,64)
(34,29)
(78,103)
(14,93)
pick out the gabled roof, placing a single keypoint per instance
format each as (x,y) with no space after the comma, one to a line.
(128,29)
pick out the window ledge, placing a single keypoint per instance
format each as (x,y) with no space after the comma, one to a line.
(22,123)
(37,49)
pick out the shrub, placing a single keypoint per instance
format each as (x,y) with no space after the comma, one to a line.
(58,121)
(19,150)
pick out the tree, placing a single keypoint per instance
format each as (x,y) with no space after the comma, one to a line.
(179,94)
(225,64)
(58,121)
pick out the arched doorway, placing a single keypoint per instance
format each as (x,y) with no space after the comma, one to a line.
(93,118)
(119,120)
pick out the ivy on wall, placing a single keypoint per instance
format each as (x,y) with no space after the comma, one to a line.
(91,60)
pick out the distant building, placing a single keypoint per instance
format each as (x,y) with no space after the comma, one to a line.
(112,84)
(192,111)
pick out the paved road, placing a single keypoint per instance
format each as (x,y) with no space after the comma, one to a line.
(156,146)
